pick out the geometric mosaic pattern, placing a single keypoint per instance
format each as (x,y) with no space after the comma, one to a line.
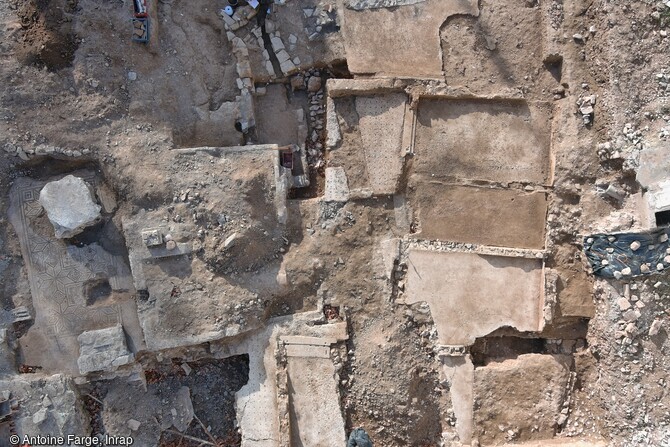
(381,124)
(57,272)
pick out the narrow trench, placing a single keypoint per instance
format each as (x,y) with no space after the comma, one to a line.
(267,42)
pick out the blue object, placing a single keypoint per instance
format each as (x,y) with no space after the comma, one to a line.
(145,38)
(610,254)
(359,438)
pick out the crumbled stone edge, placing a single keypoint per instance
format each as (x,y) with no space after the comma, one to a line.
(43,150)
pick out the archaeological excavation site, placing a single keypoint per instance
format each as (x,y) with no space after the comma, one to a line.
(334,223)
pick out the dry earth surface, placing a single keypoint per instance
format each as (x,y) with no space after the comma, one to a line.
(463,131)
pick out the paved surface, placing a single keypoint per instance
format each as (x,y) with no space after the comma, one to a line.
(276,119)
(316,418)
(460,373)
(381,127)
(654,166)
(472,295)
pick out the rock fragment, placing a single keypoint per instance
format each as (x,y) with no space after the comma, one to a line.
(133,424)
(623,304)
(70,206)
(655,327)
(314,84)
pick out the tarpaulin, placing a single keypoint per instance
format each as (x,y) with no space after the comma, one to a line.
(359,438)
(622,255)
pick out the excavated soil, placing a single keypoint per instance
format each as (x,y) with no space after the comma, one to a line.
(71,78)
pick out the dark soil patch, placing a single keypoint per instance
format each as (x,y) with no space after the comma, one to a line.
(48,40)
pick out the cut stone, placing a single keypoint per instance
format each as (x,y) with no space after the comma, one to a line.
(333,133)
(103,350)
(70,206)
(152,238)
(337,189)
(283,56)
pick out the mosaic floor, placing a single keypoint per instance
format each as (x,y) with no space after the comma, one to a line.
(59,275)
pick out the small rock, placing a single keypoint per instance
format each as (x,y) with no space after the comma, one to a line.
(586,109)
(314,84)
(22,154)
(152,238)
(655,327)
(615,193)
(634,245)
(170,245)
(578,37)
(132,76)
(133,424)
(626,271)
(230,241)
(631,315)
(298,82)
(40,416)
(623,304)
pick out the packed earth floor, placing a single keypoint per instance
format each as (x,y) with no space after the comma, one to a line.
(319,223)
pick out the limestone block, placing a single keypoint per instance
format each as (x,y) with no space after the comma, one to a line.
(103,349)
(337,189)
(70,205)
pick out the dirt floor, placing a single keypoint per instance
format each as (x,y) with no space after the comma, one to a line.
(502,157)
